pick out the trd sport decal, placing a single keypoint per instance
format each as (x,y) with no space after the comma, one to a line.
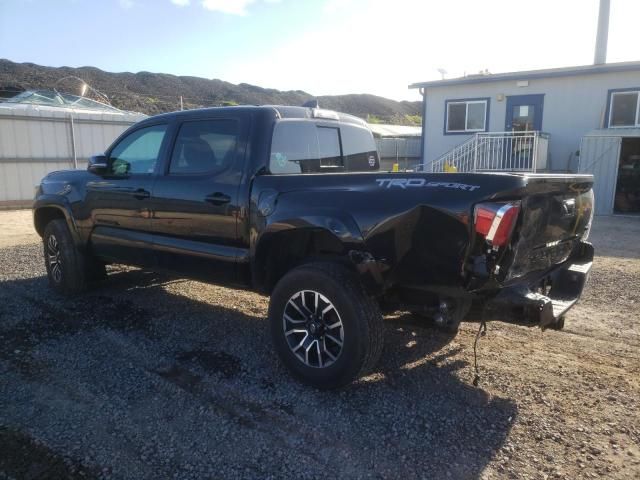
(421,182)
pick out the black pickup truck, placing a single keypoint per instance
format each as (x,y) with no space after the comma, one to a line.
(290,202)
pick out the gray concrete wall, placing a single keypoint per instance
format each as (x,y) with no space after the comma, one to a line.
(573,106)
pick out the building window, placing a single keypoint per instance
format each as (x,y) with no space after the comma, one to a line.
(466,116)
(624,109)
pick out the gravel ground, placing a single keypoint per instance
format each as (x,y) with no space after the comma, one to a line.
(156,377)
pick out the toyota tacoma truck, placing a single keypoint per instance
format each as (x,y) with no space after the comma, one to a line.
(290,202)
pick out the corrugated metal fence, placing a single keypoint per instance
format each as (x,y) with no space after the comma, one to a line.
(35,141)
(404,151)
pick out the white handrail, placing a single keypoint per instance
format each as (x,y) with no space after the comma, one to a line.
(494,151)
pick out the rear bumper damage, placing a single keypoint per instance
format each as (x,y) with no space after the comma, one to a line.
(543,301)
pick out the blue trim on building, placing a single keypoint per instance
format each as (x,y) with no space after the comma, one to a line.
(608,108)
(532,74)
(454,100)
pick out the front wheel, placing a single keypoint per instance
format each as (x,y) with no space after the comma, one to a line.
(68,269)
(325,327)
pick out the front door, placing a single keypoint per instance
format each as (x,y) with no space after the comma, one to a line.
(196,201)
(524,113)
(119,200)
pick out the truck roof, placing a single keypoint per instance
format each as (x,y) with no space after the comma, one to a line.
(280,111)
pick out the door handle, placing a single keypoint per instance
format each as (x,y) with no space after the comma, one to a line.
(217,198)
(141,194)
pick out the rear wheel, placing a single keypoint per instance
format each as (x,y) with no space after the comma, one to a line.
(68,269)
(325,327)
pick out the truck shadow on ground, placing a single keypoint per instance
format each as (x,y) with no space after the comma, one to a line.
(415,417)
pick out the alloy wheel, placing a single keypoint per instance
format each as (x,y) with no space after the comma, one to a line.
(313,328)
(54,258)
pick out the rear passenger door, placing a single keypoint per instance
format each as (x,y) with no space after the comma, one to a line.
(195,201)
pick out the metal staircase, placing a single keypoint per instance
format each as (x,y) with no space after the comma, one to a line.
(495,151)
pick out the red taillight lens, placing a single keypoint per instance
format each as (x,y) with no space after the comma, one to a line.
(495,221)
(484,218)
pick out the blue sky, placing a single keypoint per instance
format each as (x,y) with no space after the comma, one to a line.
(320,46)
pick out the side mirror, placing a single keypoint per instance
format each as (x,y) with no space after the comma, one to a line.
(98,164)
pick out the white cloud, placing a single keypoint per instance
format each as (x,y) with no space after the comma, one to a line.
(181,3)
(127,4)
(334,6)
(232,7)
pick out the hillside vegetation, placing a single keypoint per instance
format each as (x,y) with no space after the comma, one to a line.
(153,93)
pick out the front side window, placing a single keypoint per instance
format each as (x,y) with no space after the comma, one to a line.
(300,146)
(466,116)
(137,152)
(624,109)
(204,146)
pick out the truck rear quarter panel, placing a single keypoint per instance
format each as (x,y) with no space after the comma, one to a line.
(417,227)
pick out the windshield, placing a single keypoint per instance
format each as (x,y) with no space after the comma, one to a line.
(304,146)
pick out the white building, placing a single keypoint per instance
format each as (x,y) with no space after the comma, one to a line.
(536,121)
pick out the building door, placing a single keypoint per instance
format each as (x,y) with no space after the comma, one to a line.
(599,156)
(524,113)
(627,199)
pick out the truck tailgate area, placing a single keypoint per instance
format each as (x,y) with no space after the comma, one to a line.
(555,217)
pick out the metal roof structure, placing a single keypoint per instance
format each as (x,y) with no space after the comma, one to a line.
(53,98)
(531,74)
(384,130)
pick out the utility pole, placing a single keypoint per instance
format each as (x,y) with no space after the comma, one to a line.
(181,104)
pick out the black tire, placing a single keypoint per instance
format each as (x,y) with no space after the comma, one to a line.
(68,269)
(361,325)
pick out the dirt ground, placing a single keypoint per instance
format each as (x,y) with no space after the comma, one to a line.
(16,227)
(157,377)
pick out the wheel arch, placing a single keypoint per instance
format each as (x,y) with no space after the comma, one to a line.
(47,212)
(278,252)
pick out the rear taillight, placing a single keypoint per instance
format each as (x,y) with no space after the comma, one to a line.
(495,221)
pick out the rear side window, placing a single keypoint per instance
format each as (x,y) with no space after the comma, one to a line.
(300,146)
(359,148)
(204,146)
